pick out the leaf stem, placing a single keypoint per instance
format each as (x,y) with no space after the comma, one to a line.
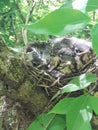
(47,126)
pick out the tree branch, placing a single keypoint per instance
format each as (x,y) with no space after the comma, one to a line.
(18,84)
(24,31)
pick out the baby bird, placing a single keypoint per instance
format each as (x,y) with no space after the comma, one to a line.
(54,62)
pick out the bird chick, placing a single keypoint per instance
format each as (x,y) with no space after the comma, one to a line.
(54,62)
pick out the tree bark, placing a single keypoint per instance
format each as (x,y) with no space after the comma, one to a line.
(19,88)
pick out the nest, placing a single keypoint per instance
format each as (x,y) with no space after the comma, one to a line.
(56,63)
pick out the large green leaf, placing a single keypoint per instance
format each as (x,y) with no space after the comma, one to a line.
(59,22)
(48,122)
(80,82)
(92,5)
(77,110)
(67,105)
(94,34)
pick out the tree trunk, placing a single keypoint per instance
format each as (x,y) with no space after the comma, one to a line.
(20,97)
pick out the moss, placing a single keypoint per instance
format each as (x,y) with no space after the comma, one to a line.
(11,65)
(36,100)
(16,70)
(25,90)
(3,66)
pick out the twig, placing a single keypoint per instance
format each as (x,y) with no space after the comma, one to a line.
(13,27)
(47,126)
(24,31)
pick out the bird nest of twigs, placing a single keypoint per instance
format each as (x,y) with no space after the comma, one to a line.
(52,66)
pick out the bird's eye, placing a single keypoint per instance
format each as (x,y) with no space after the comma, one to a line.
(77,51)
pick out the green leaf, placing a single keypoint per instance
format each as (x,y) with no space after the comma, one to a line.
(94,103)
(84,80)
(94,34)
(71,88)
(48,122)
(67,104)
(77,110)
(92,5)
(63,106)
(59,22)
(79,120)
(78,83)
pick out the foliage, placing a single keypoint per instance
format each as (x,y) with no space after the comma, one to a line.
(19,26)
(62,25)
(49,121)
(94,33)
(16,13)
(78,111)
(77,83)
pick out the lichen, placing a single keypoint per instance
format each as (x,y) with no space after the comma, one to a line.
(16,70)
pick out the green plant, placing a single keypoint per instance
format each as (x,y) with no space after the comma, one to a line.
(69,113)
